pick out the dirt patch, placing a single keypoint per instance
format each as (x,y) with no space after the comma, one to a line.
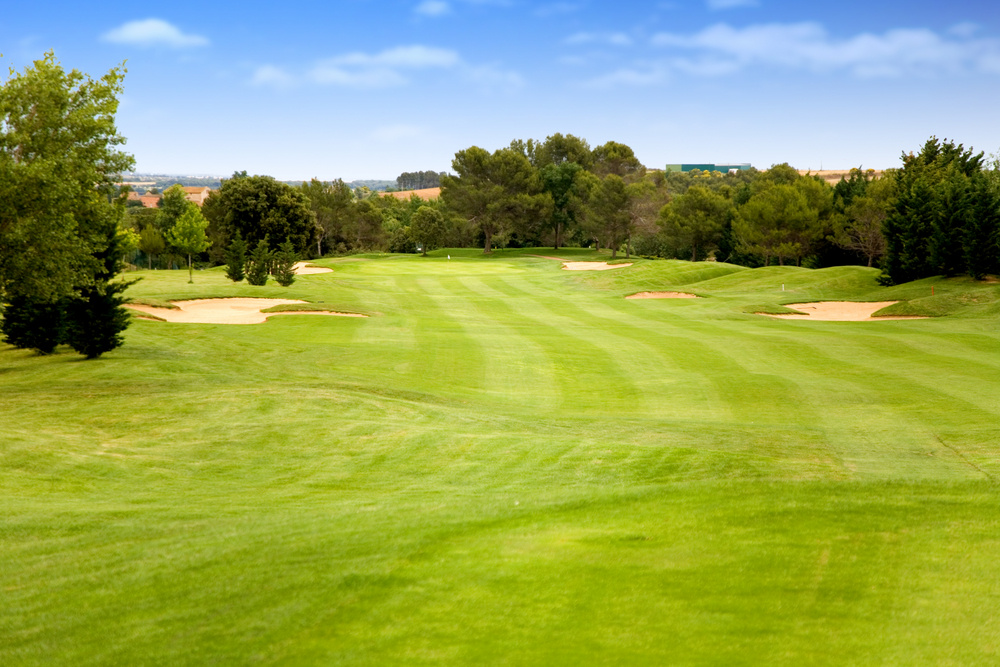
(841,311)
(226,311)
(424,193)
(304,269)
(662,295)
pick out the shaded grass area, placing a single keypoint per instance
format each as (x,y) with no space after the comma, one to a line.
(513,464)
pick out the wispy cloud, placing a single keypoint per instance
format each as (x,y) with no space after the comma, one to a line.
(640,76)
(269,75)
(387,69)
(153,32)
(808,46)
(433,8)
(381,70)
(716,5)
(557,9)
(607,38)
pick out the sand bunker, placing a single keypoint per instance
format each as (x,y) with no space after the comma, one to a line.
(663,295)
(304,269)
(226,311)
(841,311)
(585,266)
(593,266)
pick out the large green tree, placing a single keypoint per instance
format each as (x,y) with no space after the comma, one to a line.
(940,212)
(334,207)
(773,223)
(59,163)
(259,207)
(60,209)
(607,212)
(558,180)
(695,220)
(498,192)
(618,159)
(427,228)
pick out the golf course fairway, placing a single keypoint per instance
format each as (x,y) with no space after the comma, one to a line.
(510,463)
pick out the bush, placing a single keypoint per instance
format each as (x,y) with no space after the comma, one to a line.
(29,324)
(95,322)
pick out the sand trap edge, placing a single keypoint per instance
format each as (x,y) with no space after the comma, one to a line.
(663,295)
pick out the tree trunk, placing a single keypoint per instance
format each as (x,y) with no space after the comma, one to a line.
(694,253)
(149,258)
(487,245)
(558,234)
(319,247)
(190,270)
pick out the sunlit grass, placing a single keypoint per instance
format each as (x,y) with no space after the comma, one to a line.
(511,463)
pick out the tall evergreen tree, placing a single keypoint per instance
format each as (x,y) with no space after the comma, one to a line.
(236,258)
(284,264)
(259,263)
(981,242)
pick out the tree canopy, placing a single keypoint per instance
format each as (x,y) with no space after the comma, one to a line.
(259,207)
(498,192)
(60,209)
(59,163)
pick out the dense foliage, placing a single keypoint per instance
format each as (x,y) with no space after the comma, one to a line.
(418,180)
(945,218)
(61,244)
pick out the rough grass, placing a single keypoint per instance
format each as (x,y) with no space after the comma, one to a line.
(511,464)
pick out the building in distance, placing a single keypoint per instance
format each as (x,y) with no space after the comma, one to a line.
(724,168)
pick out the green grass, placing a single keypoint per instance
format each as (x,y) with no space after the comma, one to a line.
(510,463)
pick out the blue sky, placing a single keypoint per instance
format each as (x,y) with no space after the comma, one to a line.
(364,89)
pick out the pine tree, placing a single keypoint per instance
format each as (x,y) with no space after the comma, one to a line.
(952,217)
(32,324)
(981,242)
(259,264)
(236,259)
(284,264)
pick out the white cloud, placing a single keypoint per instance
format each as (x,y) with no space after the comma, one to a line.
(490,77)
(635,77)
(609,38)
(433,8)
(405,57)
(391,68)
(153,32)
(966,29)
(557,9)
(808,46)
(716,5)
(269,75)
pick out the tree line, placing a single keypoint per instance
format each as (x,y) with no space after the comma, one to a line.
(937,214)
(65,229)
